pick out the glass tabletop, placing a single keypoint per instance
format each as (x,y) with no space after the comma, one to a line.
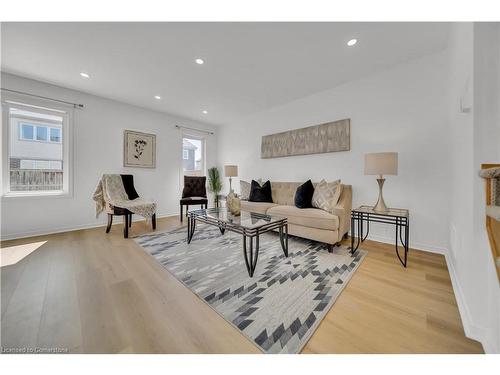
(396,212)
(250,220)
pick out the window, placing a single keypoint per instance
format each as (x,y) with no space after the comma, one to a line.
(193,156)
(41,133)
(31,132)
(27,131)
(36,159)
(55,135)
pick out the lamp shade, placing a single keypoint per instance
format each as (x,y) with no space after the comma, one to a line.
(381,163)
(231,170)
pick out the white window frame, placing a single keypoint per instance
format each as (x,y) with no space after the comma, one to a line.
(40,106)
(203,151)
(185,154)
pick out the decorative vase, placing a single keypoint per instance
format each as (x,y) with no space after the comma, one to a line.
(233,204)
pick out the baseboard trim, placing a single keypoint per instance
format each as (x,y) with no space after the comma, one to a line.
(100,223)
(413,245)
(471,330)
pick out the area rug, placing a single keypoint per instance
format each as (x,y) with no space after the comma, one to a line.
(281,306)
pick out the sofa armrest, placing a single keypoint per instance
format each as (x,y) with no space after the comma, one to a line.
(343,209)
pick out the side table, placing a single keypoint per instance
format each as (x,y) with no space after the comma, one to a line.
(395,216)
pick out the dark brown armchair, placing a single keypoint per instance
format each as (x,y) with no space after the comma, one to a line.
(128,184)
(194,193)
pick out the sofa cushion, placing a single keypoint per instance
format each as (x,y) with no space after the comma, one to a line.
(284,192)
(307,217)
(260,193)
(259,207)
(304,194)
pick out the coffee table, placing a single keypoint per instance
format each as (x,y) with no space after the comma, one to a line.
(249,224)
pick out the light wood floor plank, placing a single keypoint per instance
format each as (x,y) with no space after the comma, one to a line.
(100,293)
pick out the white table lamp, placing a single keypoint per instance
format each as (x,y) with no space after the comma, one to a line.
(231,171)
(381,163)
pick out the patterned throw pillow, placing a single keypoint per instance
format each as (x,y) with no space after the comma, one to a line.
(244,190)
(326,195)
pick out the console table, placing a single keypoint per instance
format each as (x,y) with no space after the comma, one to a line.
(394,216)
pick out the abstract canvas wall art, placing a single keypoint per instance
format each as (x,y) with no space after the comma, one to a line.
(329,137)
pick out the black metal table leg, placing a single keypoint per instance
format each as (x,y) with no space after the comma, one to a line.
(398,231)
(355,219)
(191,228)
(363,236)
(284,239)
(248,253)
(245,255)
(352,232)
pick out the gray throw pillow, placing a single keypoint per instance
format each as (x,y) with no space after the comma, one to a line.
(326,195)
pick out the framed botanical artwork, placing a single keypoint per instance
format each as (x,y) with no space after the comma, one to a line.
(139,149)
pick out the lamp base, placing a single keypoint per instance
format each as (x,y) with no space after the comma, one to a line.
(380,206)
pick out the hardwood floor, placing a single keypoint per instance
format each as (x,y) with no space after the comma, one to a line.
(95,293)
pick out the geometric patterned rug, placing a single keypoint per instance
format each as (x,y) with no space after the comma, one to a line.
(281,306)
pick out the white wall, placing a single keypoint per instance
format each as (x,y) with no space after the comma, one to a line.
(475,139)
(402,109)
(97,149)
(486,113)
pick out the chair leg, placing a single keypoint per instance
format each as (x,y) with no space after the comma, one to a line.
(130,221)
(153,221)
(330,248)
(187,209)
(181,213)
(110,222)
(125,229)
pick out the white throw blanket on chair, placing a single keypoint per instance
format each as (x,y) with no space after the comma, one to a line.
(110,190)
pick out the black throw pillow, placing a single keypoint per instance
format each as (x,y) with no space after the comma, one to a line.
(260,193)
(304,194)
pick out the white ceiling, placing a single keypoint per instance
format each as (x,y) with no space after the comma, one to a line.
(249,67)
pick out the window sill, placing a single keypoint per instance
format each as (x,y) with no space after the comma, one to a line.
(36,195)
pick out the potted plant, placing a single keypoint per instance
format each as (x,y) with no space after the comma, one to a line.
(214,183)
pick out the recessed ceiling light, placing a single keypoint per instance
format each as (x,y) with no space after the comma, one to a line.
(157,97)
(352,42)
(204,111)
(84,75)
(199,61)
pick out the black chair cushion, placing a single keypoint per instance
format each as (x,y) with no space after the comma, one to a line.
(194,187)
(260,193)
(304,194)
(194,200)
(128,184)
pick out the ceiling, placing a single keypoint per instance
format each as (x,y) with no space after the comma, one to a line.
(249,67)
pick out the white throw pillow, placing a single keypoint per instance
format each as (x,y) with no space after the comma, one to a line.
(244,190)
(326,195)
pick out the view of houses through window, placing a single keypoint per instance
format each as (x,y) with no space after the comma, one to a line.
(35,150)
(193,150)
